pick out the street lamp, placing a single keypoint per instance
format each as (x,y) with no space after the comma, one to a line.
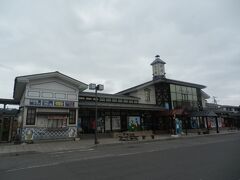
(95,87)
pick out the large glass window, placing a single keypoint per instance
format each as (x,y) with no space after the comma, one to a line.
(183,96)
(194,98)
(194,91)
(189,90)
(172,87)
(179,96)
(173,96)
(184,89)
(31,116)
(190,97)
(178,89)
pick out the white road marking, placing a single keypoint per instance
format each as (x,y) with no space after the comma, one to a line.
(31,167)
(77,150)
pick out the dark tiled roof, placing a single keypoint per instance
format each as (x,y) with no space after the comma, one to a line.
(8,111)
(91,94)
(103,105)
(8,101)
(204,113)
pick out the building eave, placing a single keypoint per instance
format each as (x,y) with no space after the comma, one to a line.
(170,81)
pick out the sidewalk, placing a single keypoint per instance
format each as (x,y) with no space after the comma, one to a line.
(45,147)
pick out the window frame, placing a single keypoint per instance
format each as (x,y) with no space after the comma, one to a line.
(147,94)
(31,117)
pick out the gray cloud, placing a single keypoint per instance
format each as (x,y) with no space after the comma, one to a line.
(114,42)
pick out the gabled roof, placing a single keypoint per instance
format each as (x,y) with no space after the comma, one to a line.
(171,81)
(205,95)
(21,81)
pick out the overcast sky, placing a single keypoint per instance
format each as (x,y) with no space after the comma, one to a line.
(113,42)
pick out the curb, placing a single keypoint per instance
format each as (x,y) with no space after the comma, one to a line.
(164,139)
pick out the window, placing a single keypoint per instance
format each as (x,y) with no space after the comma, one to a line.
(125,101)
(194,91)
(82,98)
(31,115)
(56,123)
(114,100)
(173,88)
(184,89)
(147,94)
(178,89)
(190,97)
(89,98)
(102,99)
(131,101)
(60,96)
(72,117)
(173,96)
(108,99)
(194,98)
(179,97)
(184,97)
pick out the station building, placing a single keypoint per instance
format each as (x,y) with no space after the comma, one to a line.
(53,105)
(153,105)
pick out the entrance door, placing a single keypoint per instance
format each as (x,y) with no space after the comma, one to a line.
(4,129)
(124,125)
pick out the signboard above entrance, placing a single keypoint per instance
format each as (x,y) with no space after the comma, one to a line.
(50,103)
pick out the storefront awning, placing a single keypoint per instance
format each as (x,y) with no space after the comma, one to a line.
(179,112)
(51,111)
(203,113)
(57,117)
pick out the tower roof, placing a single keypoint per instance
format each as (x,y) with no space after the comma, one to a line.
(157,60)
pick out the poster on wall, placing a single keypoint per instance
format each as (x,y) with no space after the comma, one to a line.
(107,123)
(133,123)
(211,122)
(194,123)
(116,123)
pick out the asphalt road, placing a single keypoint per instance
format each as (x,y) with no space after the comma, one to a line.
(201,158)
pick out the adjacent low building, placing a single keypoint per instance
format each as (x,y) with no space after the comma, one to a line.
(48,105)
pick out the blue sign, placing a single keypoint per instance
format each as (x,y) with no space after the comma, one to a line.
(47,103)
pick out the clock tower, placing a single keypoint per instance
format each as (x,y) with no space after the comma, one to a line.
(158,68)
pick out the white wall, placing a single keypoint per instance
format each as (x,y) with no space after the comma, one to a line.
(50,89)
(141,94)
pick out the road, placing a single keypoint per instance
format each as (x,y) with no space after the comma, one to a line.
(200,158)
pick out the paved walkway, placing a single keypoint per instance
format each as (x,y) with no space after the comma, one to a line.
(11,149)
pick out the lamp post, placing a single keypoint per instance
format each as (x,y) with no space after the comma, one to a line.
(95,87)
